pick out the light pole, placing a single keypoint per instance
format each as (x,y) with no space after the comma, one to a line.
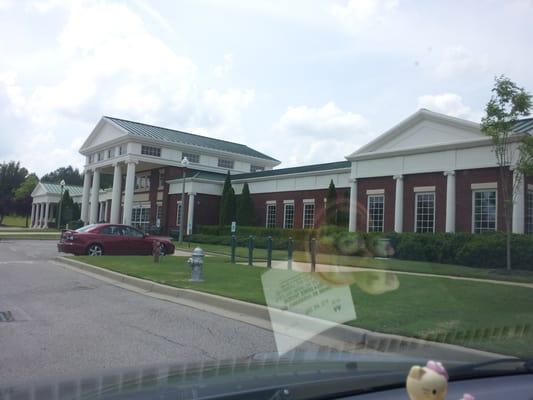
(184,163)
(62,184)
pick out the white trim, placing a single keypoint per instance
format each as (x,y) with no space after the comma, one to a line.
(308,201)
(416,207)
(370,192)
(267,205)
(270,202)
(420,189)
(285,204)
(236,179)
(368,211)
(303,213)
(486,185)
(474,206)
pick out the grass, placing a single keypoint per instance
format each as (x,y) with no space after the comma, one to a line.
(391,264)
(474,314)
(14,220)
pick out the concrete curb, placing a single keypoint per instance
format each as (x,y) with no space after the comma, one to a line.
(342,337)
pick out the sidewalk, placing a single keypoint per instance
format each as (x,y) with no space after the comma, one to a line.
(306,267)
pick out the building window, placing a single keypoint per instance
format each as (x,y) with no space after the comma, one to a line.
(425,212)
(142,182)
(288,216)
(256,168)
(110,153)
(121,150)
(270,216)
(140,217)
(151,151)
(159,215)
(484,211)
(90,159)
(161,178)
(376,208)
(193,158)
(224,163)
(100,155)
(529,210)
(309,216)
(178,214)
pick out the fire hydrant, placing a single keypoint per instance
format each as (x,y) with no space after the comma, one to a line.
(196,262)
(156,250)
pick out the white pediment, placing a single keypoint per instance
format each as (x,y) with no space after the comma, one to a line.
(423,129)
(39,190)
(105,131)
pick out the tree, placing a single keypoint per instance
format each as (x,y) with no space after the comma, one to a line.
(331,205)
(507,104)
(11,177)
(245,209)
(69,210)
(227,203)
(71,176)
(23,195)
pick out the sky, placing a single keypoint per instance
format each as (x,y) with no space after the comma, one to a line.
(304,81)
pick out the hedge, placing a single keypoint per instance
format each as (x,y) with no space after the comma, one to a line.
(474,250)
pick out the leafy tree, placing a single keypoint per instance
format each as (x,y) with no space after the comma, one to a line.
(331,205)
(245,209)
(69,210)
(227,203)
(72,176)
(11,177)
(23,195)
(507,104)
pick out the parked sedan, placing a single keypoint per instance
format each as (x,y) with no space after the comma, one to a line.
(110,239)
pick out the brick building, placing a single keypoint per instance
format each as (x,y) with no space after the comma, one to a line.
(429,173)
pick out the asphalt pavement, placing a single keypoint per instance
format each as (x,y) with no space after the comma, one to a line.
(67,324)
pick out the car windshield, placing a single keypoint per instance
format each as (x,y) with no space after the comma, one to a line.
(266,198)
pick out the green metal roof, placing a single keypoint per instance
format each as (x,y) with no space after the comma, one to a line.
(524,126)
(294,170)
(55,188)
(174,136)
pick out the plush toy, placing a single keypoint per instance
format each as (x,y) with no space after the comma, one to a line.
(429,382)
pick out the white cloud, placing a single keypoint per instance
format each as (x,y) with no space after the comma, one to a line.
(457,60)
(324,121)
(226,66)
(448,103)
(359,15)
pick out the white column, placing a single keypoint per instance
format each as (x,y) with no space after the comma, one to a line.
(85,197)
(398,204)
(32,221)
(128,193)
(519,203)
(104,216)
(190,214)
(352,221)
(115,195)
(95,191)
(101,211)
(36,222)
(450,201)
(41,215)
(46,214)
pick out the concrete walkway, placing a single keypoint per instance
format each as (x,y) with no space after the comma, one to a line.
(306,267)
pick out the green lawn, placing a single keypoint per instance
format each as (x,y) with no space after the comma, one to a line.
(14,220)
(480,315)
(368,262)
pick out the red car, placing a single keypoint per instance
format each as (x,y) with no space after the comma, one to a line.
(110,239)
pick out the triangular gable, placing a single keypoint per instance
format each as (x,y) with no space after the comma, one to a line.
(103,132)
(38,190)
(423,129)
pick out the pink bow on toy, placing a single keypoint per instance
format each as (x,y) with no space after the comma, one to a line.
(467,396)
(438,368)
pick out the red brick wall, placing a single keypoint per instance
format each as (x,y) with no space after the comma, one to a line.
(463,191)
(527,181)
(436,179)
(388,184)
(206,209)
(260,199)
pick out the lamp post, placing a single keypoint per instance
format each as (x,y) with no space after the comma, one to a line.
(184,163)
(62,184)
